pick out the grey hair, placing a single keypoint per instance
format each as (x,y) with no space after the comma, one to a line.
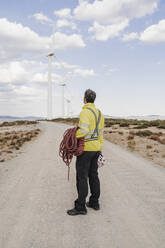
(90,96)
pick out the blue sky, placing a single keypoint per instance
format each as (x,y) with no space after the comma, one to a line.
(113,47)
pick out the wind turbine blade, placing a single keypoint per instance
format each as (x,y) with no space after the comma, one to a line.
(43,55)
(39,56)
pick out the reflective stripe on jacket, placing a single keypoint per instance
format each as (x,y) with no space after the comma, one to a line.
(87,125)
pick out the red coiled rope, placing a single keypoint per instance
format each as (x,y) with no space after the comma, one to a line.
(70,146)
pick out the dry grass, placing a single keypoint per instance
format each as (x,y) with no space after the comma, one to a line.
(130,137)
(131,145)
(148,142)
(10,141)
(17,123)
(145,137)
(148,146)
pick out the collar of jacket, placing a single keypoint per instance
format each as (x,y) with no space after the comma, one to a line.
(89,104)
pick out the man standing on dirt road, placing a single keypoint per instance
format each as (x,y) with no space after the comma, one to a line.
(91,125)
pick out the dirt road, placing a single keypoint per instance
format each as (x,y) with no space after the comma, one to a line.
(34,197)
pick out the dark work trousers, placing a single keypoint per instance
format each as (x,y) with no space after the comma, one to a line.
(86,167)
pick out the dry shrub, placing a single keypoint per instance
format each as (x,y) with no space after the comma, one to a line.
(158,139)
(162,141)
(14,140)
(144,133)
(108,124)
(155,137)
(156,151)
(148,146)
(125,124)
(131,132)
(130,137)
(121,133)
(18,123)
(142,126)
(158,134)
(162,126)
(114,127)
(131,145)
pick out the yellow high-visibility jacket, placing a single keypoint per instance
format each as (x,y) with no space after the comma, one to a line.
(87,125)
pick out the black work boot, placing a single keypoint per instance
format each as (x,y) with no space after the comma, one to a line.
(74,211)
(95,207)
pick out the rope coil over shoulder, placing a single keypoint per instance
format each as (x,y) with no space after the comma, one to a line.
(70,146)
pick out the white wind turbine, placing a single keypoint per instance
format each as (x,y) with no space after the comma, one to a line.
(63,85)
(49,93)
(68,107)
(49,98)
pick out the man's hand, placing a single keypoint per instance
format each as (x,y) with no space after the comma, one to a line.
(100,153)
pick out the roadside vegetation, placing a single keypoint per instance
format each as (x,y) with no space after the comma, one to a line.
(71,121)
(14,134)
(146,138)
(17,123)
(137,124)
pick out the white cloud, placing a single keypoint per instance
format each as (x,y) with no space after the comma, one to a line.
(109,69)
(154,33)
(42,77)
(25,72)
(18,86)
(25,91)
(12,72)
(114,11)
(159,62)
(63,13)
(131,36)
(65,23)
(17,40)
(63,41)
(73,70)
(112,70)
(23,85)
(41,18)
(65,18)
(110,17)
(83,72)
(64,65)
(103,33)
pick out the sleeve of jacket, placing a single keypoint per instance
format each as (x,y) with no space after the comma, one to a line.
(83,124)
(100,138)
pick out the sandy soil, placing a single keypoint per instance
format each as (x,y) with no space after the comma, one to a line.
(152,147)
(35,195)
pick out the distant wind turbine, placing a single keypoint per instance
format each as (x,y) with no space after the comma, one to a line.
(49,99)
(63,98)
(49,94)
(68,106)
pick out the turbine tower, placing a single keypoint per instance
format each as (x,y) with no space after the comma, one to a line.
(49,100)
(63,98)
(68,107)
